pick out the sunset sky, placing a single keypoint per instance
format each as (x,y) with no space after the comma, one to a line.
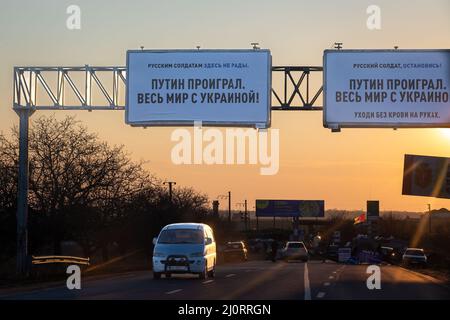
(345,169)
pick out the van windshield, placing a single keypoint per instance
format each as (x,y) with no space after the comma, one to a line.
(181,236)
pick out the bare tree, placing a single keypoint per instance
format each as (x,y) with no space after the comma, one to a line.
(85,190)
(71,171)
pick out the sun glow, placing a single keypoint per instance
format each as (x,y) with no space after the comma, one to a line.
(445,132)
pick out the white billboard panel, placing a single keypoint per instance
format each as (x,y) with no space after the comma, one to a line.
(386,88)
(217,87)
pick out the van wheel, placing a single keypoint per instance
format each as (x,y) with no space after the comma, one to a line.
(204,274)
(168,275)
(156,275)
(212,273)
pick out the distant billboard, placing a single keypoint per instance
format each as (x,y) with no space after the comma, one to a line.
(426,176)
(373,210)
(290,208)
(386,88)
(217,87)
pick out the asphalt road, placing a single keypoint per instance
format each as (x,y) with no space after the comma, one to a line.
(253,280)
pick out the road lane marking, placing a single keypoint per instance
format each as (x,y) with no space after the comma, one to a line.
(174,291)
(230,275)
(306,281)
(330,277)
(207,281)
(326,284)
(321,295)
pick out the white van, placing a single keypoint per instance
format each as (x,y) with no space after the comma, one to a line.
(185,248)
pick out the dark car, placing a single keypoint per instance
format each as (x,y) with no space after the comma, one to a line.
(389,254)
(235,251)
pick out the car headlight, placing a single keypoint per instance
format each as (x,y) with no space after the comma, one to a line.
(197,254)
(158,255)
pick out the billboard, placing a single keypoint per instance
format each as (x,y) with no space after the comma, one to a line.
(217,87)
(426,176)
(386,88)
(373,210)
(290,208)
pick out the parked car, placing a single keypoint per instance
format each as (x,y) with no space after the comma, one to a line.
(414,256)
(185,248)
(295,250)
(235,250)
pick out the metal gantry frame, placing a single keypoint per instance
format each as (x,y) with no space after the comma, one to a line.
(86,86)
(309,96)
(108,82)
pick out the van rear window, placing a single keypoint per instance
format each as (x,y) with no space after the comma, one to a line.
(413,252)
(181,236)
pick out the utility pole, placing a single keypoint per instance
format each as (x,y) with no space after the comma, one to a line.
(229,206)
(170,183)
(429,219)
(222,196)
(216,208)
(246,215)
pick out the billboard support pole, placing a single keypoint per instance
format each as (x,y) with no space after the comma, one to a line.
(295,227)
(22,193)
